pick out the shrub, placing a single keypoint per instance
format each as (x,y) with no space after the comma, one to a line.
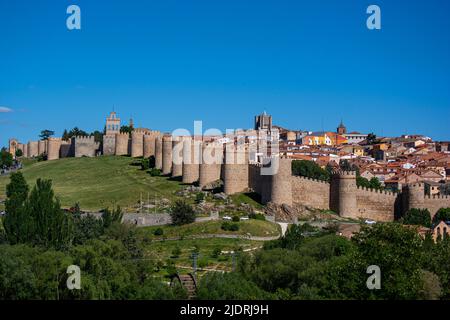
(155,172)
(182,213)
(442,215)
(216,253)
(203,262)
(236,218)
(199,197)
(158,232)
(418,217)
(151,162)
(145,164)
(228,226)
(257,216)
(176,252)
(309,169)
(19,153)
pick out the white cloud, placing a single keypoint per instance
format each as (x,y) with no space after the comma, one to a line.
(5,110)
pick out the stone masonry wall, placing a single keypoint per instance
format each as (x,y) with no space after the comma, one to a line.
(109,144)
(310,192)
(85,146)
(375,204)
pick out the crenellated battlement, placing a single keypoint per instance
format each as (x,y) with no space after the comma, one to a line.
(343,173)
(140,131)
(123,134)
(437,197)
(377,191)
(310,179)
(85,138)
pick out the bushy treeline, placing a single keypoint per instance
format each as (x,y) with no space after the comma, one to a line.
(310,169)
(40,241)
(327,266)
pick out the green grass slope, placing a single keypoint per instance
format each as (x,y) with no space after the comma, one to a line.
(250,227)
(97,182)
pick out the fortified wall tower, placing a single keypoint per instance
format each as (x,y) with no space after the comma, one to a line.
(167,155)
(42,147)
(177,157)
(414,197)
(24,149)
(109,144)
(235,169)
(191,160)
(54,144)
(280,181)
(210,166)
(33,149)
(13,146)
(137,143)
(150,143)
(122,144)
(158,152)
(344,187)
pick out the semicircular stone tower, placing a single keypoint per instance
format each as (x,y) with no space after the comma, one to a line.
(235,170)
(33,147)
(54,144)
(281,187)
(167,155)
(191,160)
(345,182)
(149,144)
(122,141)
(42,147)
(415,196)
(212,159)
(137,143)
(158,152)
(177,157)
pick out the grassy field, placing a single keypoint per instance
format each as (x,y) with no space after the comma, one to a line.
(250,227)
(97,182)
(101,182)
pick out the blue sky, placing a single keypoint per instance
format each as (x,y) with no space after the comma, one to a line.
(168,63)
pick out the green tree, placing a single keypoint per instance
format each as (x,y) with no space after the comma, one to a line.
(16,222)
(182,213)
(347,166)
(145,164)
(371,138)
(6,158)
(51,226)
(109,217)
(151,162)
(98,136)
(397,251)
(443,214)
(85,227)
(126,129)
(309,169)
(45,134)
(19,153)
(229,286)
(416,216)
(374,183)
